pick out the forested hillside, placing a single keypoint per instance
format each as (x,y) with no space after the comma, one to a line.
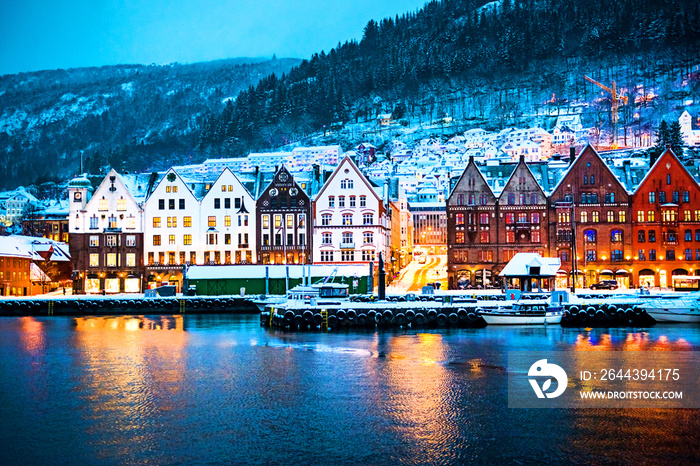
(131,117)
(494,62)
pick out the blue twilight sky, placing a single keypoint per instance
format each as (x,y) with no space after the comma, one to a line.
(49,34)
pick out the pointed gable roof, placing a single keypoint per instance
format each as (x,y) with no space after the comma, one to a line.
(667,155)
(470,168)
(221,175)
(165,177)
(587,151)
(104,185)
(281,169)
(343,164)
(522,167)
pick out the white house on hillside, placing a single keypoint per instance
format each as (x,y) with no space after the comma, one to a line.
(690,136)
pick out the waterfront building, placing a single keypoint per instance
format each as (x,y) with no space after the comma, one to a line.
(666,224)
(106,237)
(350,219)
(590,208)
(15,268)
(50,222)
(283,215)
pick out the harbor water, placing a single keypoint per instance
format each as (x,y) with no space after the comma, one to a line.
(222,390)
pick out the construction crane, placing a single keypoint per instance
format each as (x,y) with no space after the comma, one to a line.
(613,108)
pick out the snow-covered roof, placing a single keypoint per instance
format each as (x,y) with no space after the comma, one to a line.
(211,272)
(521,264)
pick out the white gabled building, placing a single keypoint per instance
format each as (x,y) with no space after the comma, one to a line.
(227,215)
(350,219)
(690,136)
(172,233)
(106,234)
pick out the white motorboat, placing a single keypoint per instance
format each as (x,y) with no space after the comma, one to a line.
(303,296)
(673,308)
(526,312)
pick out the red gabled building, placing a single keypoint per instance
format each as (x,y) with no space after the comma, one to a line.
(666,224)
(590,205)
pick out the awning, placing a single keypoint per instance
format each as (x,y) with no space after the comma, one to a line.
(578,271)
(646,272)
(606,272)
(621,272)
(562,271)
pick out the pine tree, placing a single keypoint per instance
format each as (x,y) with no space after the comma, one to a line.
(675,138)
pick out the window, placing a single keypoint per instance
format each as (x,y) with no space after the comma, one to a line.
(341,201)
(182,204)
(346,184)
(652,254)
(686,196)
(367,237)
(459,237)
(522,218)
(688,235)
(112,221)
(367,219)
(668,179)
(460,199)
(347,256)
(590,255)
(697,254)
(227,238)
(302,220)
(187,221)
(156,240)
(266,239)
(211,221)
(640,215)
(652,236)
(112,259)
(611,216)
(483,219)
(326,238)
(641,255)
(95,241)
(347,237)
(697,235)
(564,217)
(459,219)
(621,216)
(326,219)
(331,202)
(662,197)
(171,239)
(121,205)
(564,256)
(483,199)
(227,220)
(510,218)
(103,204)
(237,202)
(368,256)
(472,199)
(290,221)
(94,260)
(352,201)
(347,219)
(326,256)
(156,222)
(670,254)
(584,217)
(187,240)
(212,238)
(652,197)
(217,203)
(675,197)
(595,216)
(650,216)
(302,239)
(511,199)
(484,237)
(111,240)
(686,216)
(227,203)
(131,259)
(223,188)
(535,217)
(589,236)
(510,237)
(592,179)
(172,222)
(522,199)
(641,236)
(616,236)
(533,198)
(617,255)
(93,222)
(363,201)
(278,221)
(688,254)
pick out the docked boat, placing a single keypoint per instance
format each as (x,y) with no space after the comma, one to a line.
(525,312)
(684,308)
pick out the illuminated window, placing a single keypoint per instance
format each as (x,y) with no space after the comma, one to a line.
(611,216)
(278,221)
(130,241)
(121,204)
(156,240)
(290,221)
(131,259)
(223,188)
(131,223)
(103,204)
(595,216)
(187,240)
(640,215)
(302,220)
(94,260)
(171,239)
(94,241)
(111,259)
(211,221)
(584,217)
(111,240)
(621,216)
(266,221)
(650,216)
(156,222)
(227,221)
(187,221)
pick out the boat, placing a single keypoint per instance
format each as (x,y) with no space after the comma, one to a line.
(671,308)
(327,294)
(525,312)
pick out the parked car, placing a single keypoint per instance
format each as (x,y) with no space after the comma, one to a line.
(605,285)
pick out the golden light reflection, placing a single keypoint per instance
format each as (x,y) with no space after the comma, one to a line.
(32,335)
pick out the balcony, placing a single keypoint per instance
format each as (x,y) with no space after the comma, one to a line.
(243,246)
(347,245)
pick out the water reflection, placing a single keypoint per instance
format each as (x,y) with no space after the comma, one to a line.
(187,389)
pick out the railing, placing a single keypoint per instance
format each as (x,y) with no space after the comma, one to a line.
(347,245)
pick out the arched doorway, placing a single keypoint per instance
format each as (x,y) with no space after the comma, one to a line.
(463,280)
(647,278)
(623,278)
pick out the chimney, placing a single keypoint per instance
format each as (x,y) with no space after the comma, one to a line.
(522,158)
(572,155)
(317,172)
